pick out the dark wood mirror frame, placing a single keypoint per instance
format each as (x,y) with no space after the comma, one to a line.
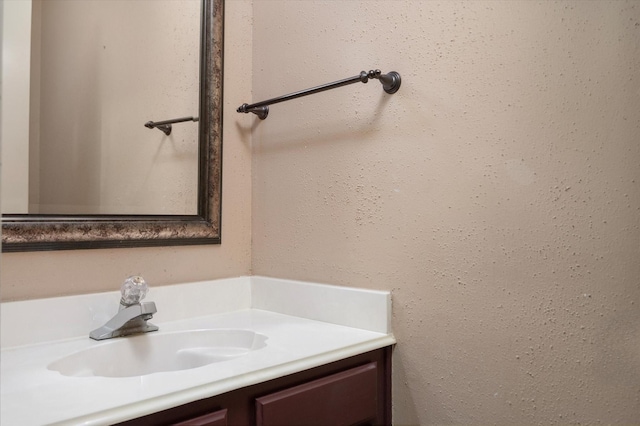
(26,232)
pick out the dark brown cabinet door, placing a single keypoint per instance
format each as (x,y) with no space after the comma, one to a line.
(219,418)
(346,398)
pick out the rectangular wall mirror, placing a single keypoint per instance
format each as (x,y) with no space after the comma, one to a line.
(83,164)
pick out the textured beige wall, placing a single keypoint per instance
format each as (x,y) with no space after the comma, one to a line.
(496,194)
(45,274)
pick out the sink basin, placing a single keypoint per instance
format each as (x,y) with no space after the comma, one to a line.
(159,352)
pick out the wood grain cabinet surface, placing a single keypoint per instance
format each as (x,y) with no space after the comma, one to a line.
(352,391)
(346,398)
(218,418)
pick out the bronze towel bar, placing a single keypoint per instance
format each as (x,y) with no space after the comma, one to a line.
(390,84)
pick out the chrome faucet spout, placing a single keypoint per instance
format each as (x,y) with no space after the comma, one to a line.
(130,318)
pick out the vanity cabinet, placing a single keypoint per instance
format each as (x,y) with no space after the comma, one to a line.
(352,391)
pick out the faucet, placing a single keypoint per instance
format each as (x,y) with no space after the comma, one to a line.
(132,315)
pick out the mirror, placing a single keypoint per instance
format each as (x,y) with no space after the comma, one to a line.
(139,202)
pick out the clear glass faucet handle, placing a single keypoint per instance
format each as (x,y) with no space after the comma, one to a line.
(133,290)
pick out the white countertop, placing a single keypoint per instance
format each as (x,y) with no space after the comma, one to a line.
(306,325)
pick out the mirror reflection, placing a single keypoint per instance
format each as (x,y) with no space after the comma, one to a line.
(82,166)
(74,140)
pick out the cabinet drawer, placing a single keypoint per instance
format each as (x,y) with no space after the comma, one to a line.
(219,418)
(345,398)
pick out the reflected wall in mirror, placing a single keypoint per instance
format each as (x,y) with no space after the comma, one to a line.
(80,169)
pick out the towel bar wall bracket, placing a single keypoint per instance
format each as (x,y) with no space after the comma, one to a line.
(165,126)
(390,83)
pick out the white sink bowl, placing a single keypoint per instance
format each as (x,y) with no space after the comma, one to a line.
(159,352)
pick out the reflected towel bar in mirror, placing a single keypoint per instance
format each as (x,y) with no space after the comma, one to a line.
(390,84)
(165,126)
